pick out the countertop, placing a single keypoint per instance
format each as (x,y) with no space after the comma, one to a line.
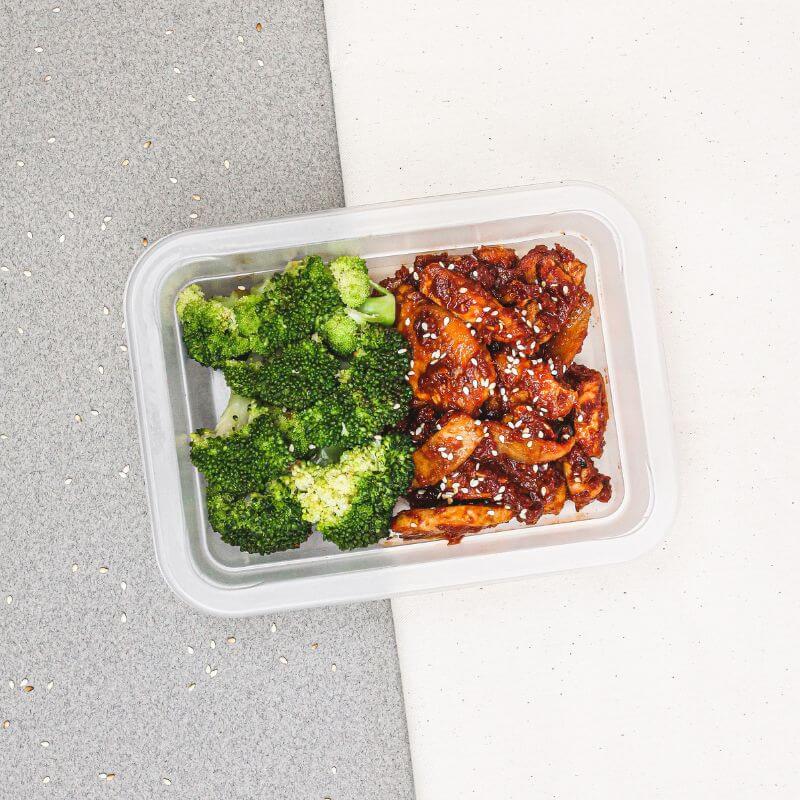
(674,675)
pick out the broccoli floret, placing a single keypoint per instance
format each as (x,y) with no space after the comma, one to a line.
(295,378)
(324,424)
(380,360)
(351,502)
(242,453)
(340,332)
(215,329)
(303,295)
(261,522)
(352,280)
(376,378)
(373,395)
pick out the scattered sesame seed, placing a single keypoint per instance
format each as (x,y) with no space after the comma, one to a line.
(166,781)
(231,640)
(283,660)
(46,779)
(6,724)
(74,567)
(44,743)
(191,98)
(103,570)
(190,686)
(67,481)
(9,600)
(333,667)
(123,617)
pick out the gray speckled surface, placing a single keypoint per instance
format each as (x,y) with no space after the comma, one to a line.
(83,90)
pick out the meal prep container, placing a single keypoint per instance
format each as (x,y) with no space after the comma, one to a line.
(175,395)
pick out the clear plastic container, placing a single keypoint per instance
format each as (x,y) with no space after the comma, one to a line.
(175,395)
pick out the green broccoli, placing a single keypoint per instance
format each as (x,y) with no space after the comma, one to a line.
(340,332)
(243,452)
(351,502)
(261,522)
(342,329)
(352,280)
(373,395)
(216,329)
(322,425)
(294,378)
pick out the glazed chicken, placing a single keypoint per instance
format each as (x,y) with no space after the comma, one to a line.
(476,305)
(506,424)
(450,369)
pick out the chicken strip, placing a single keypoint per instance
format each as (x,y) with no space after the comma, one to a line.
(450,368)
(477,481)
(568,340)
(477,306)
(449,522)
(533,382)
(591,409)
(446,450)
(525,445)
(552,266)
(584,481)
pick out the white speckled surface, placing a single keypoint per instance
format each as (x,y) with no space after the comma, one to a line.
(112,149)
(674,676)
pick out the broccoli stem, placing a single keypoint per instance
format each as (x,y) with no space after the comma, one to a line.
(379,310)
(235,415)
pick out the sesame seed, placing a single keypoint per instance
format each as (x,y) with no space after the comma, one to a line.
(543,491)
(463,290)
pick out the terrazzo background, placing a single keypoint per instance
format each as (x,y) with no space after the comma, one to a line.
(120,124)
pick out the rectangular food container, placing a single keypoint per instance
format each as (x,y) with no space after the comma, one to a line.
(175,395)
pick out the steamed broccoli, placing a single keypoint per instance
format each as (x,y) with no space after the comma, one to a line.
(372,395)
(352,279)
(340,332)
(243,452)
(351,502)
(294,378)
(342,329)
(310,430)
(261,522)
(216,329)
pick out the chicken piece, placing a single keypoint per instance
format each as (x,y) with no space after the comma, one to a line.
(556,292)
(420,424)
(467,299)
(423,259)
(496,255)
(552,266)
(568,340)
(525,445)
(542,483)
(451,369)
(449,522)
(446,450)
(556,494)
(533,382)
(466,265)
(584,481)
(477,481)
(400,278)
(591,409)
